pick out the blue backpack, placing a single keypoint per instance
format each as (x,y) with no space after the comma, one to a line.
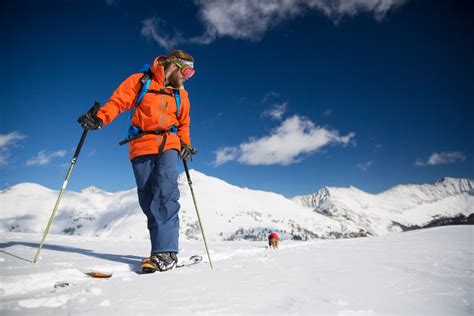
(134,132)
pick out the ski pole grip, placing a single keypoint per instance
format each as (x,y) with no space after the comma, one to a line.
(95,108)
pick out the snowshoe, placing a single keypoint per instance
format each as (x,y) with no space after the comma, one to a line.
(159,262)
(148,266)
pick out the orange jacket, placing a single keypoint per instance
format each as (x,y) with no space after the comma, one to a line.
(155,112)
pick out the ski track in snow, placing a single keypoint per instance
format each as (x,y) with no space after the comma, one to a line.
(421,272)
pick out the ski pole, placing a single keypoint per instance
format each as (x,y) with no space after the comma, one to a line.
(68,175)
(197,212)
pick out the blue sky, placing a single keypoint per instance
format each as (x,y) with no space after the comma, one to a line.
(286,98)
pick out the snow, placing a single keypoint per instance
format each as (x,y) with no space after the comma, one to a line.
(426,272)
(230,212)
(409,205)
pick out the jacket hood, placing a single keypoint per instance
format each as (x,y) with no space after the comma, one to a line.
(158,71)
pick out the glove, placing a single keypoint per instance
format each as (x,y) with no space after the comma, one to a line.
(187,152)
(90,120)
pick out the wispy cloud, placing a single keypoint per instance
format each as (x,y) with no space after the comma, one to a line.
(276,111)
(377,148)
(327,112)
(7,141)
(442,158)
(43,158)
(364,166)
(287,144)
(154,28)
(251,19)
(112,3)
(270,95)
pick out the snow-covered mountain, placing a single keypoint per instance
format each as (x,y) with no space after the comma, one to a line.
(403,207)
(230,212)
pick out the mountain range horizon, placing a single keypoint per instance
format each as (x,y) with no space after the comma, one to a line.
(230,212)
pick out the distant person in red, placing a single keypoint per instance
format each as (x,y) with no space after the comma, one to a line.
(273,240)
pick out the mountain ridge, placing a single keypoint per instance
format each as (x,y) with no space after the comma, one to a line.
(230,212)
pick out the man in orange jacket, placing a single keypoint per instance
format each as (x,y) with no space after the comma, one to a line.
(162,138)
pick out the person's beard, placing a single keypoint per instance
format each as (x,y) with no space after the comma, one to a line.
(175,81)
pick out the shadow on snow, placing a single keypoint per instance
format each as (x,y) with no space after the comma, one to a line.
(133,261)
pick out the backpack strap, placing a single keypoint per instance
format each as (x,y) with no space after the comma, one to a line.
(145,82)
(178,101)
(134,132)
(177,97)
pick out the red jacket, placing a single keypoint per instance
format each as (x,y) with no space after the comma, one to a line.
(155,112)
(273,236)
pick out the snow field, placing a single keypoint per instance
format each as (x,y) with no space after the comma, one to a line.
(420,272)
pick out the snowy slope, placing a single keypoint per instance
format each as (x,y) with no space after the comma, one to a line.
(92,212)
(423,272)
(230,212)
(400,207)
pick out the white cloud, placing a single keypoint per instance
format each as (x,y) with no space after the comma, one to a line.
(276,111)
(43,158)
(442,158)
(364,166)
(7,141)
(154,28)
(225,154)
(295,137)
(251,19)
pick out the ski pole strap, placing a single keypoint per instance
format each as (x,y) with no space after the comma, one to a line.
(164,133)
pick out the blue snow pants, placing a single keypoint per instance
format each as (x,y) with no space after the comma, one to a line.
(157,185)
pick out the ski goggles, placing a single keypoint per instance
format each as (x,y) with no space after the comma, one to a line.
(186,67)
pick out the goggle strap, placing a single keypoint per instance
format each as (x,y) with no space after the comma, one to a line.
(182,62)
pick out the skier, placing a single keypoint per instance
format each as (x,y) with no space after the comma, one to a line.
(158,137)
(273,240)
